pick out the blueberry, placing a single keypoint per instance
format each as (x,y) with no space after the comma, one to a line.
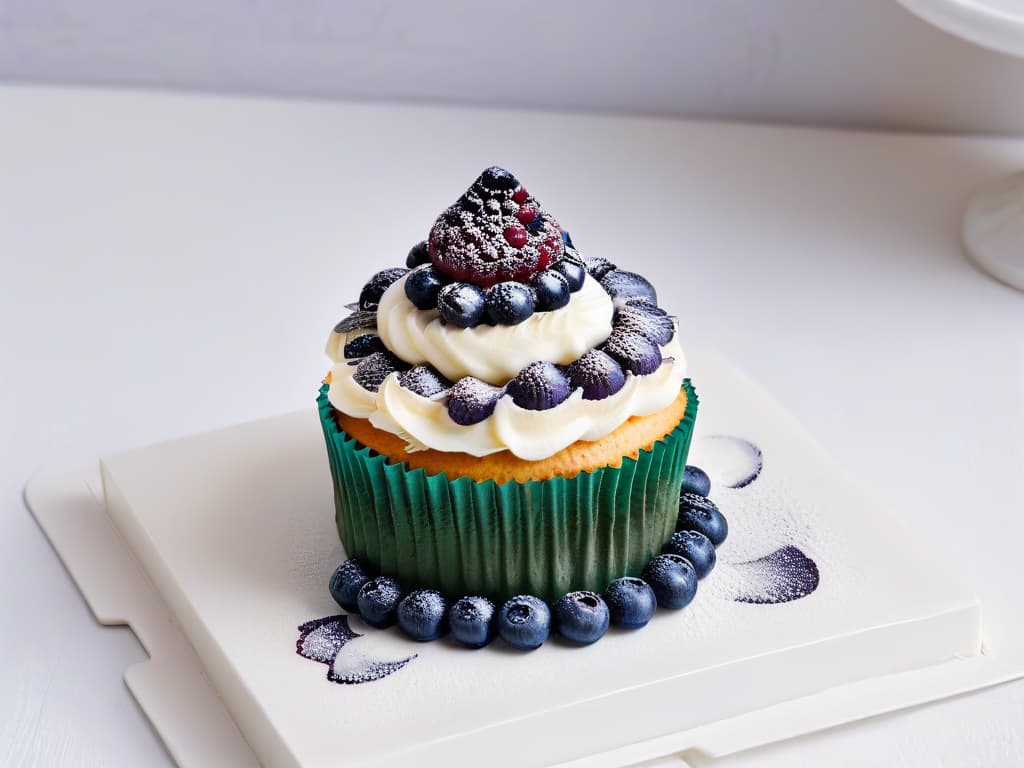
(566,240)
(378,601)
(498,179)
(423,285)
(462,304)
(695,547)
(509,303)
(622,286)
(673,580)
(418,254)
(346,581)
(471,622)
(659,328)
(364,345)
(375,367)
(524,622)
(369,297)
(597,373)
(552,290)
(631,602)
(421,614)
(538,386)
(581,617)
(698,513)
(572,271)
(597,267)
(424,380)
(534,226)
(471,401)
(637,354)
(695,480)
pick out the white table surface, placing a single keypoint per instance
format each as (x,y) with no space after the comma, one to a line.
(172,264)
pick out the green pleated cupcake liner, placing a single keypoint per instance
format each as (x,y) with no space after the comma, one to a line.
(544,537)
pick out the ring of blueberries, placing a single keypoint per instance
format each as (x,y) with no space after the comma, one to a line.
(669,581)
(639,329)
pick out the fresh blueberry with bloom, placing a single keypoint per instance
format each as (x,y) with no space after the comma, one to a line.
(552,290)
(472,621)
(695,547)
(509,303)
(421,614)
(631,602)
(346,581)
(673,580)
(695,480)
(418,254)
(573,272)
(524,622)
(423,285)
(369,297)
(378,601)
(581,617)
(462,304)
(699,513)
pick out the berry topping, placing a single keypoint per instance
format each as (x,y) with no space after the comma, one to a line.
(631,602)
(516,236)
(597,373)
(572,271)
(471,622)
(423,285)
(364,345)
(421,614)
(524,622)
(622,286)
(581,617)
(369,297)
(471,401)
(493,233)
(566,240)
(418,254)
(695,480)
(346,581)
(552,290)
(424,380)
(378,601)
(659,328)
(461,304)
(538,386)
(374,368)
(526,214)
(597,267)
(673,580)
(509,303)
(695,547)
(699,513)
(637,354)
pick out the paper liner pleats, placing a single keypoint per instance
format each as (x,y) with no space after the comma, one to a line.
(544,538)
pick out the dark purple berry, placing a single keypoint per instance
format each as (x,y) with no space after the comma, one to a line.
(462,304)
(573,272)
(378,601)
(423,285)
(369,297)
(364,345)
(597,373)
(374,368)
(581,617)
(631,602)
(695,480)
(424,380)
(699,513)
(673,580)
(418,254)
(346,581)
(622,286)
(524,622)
(497,178)
(658,328)
(552,290)
(597,267)
(695,547)
(471,401)
(471,622)
(637,354)
(538,386)
(509,303)
(422,615)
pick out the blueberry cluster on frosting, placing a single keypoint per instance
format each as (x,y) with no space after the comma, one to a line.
(498,303)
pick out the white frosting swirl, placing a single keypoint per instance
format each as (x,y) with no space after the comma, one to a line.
(494,353)
(532,435)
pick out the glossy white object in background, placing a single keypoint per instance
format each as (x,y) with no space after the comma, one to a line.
(994,219)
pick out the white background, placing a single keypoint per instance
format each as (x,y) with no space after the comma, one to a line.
(847,62)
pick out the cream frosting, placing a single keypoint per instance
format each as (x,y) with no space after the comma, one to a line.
(493,353)
(532,435)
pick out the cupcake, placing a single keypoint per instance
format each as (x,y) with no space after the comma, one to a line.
(503,416)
